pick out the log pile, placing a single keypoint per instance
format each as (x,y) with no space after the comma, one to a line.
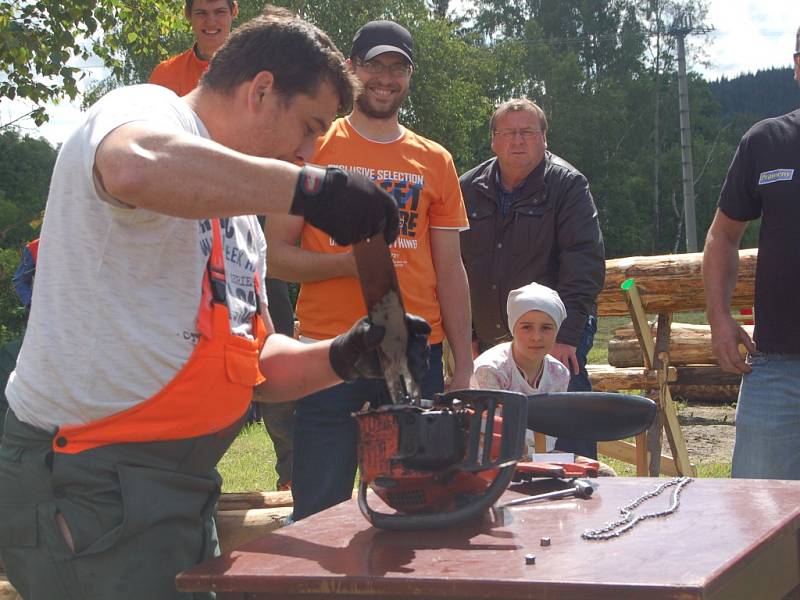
(697,376)
(689,345)
(669,284)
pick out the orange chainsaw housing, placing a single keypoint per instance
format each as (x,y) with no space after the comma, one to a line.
(441,465)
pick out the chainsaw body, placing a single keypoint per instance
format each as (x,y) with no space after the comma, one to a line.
(440,466)
(440,463)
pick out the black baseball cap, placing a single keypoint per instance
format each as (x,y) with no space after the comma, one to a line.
(377,37)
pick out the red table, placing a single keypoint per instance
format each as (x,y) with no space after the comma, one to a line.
(731,539)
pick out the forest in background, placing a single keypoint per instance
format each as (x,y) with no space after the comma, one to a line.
(603,70)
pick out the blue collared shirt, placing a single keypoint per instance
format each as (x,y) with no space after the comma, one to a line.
(507,198)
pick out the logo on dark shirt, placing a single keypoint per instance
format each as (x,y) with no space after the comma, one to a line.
(775,175)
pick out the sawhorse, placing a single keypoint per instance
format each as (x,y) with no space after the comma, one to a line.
(646,452)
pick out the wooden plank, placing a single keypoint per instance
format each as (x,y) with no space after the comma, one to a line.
(626,452)
(661,365)
(245,500)
(237,527)
(675,438)
(640,324)
(642,455)
(540,442)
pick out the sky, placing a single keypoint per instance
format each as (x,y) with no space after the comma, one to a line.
(748,35)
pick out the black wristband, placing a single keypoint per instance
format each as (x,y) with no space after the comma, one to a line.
(308,191)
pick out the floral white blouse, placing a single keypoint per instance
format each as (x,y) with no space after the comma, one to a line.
(495,369)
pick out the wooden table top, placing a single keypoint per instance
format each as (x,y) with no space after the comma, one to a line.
(728,539)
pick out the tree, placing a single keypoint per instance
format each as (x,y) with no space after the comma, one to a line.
(26,165)
(39,40)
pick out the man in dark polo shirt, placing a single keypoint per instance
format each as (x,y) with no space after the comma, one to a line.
(763,181)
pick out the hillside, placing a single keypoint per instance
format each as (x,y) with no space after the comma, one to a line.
(761,94)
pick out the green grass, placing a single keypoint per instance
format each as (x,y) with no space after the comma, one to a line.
(249,464)
(704,470)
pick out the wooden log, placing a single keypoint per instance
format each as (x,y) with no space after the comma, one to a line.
(706,393)
(670,283)
(708,375)
(689,345)
(247,500)
(605,378)
(237,527)
(626,452)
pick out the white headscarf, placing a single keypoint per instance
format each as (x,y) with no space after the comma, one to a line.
(535,297)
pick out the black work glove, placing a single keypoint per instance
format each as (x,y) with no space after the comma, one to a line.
(353,354)
(346,206)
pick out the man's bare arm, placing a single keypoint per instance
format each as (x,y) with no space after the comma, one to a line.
(287,261)
(453,292)
(720,269)
(293,369)
(178,174)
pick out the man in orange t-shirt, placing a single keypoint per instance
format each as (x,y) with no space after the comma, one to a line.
(211,23)
(421,176)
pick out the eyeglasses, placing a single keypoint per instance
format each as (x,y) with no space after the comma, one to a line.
(373,67)
(525,134)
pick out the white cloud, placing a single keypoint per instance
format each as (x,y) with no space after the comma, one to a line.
(64,114)
(750,35)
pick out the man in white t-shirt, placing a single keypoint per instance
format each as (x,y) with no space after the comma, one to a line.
(140,359)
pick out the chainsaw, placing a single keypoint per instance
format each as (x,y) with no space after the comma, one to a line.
(443,461)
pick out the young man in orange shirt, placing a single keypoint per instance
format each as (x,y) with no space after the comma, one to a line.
(211,23)
(421,176)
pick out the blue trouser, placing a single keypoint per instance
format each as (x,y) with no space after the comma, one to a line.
(326,436)
(768,419)
(581,383)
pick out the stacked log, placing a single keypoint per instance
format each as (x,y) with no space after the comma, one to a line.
(689,345)
(670,283)
(698,376)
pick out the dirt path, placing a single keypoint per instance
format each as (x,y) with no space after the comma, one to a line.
(709,430)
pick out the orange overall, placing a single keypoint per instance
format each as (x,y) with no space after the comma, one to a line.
(210,392)
(137,489)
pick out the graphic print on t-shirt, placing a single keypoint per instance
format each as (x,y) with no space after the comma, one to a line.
(406,188)
(240,253)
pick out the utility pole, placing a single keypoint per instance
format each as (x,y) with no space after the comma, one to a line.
(681,27)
